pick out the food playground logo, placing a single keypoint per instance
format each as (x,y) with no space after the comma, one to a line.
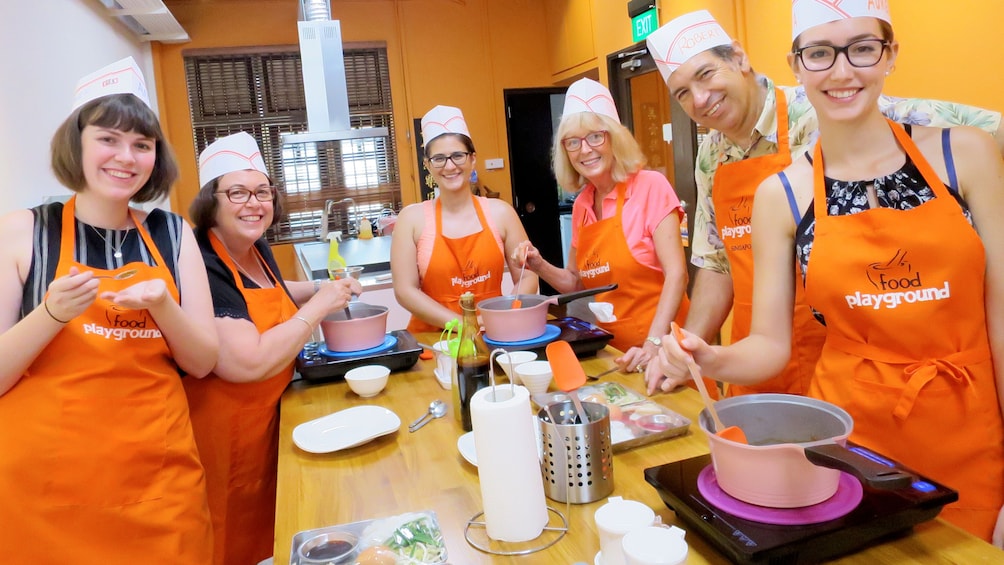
(470,276)
(125,324)
(897,283)
(741,221)
(594,268)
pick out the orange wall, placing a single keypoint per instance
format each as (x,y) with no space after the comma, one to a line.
(947,49)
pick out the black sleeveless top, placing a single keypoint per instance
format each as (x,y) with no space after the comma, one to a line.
(95,247)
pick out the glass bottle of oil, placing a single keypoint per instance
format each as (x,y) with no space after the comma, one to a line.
(472,362)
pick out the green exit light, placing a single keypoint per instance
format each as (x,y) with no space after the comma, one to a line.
(644,24)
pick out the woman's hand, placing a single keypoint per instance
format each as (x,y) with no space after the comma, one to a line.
(70,295)
(526,253)
(998,535)
(672,362)
(142,295)
(335,295)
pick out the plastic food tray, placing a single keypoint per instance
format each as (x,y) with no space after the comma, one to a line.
(356,528)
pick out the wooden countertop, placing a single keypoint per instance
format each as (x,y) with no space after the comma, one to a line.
(404,472)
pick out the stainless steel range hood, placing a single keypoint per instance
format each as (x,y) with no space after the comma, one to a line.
(324,87)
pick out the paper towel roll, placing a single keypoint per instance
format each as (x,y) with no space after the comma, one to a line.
(512,489)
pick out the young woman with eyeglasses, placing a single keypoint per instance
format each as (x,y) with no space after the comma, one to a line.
(898,236)
(263,322)
(625,226)
(457,242)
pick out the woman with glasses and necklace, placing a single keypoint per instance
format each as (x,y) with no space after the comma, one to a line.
(263,322)
(625,226)
(106,311)
(457,242)
(901,249)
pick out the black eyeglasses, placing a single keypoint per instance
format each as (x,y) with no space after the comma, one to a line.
(593,139)
(458,158)
(241,195)
(861,53)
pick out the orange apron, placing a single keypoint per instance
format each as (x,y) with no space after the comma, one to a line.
(237,430)
(907,352)
(471,263)
(603,257)
(734,188)
(99,465)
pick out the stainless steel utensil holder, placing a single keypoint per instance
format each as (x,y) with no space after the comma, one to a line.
(578,457)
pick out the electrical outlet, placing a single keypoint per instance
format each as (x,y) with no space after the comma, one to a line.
(492,164)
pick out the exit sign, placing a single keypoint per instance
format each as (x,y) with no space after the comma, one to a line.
(644,24)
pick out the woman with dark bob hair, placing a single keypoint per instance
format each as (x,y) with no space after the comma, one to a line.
(105,309)
(235,410)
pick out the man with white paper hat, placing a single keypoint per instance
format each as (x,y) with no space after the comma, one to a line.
(237,152)
(120,77)
(756,129)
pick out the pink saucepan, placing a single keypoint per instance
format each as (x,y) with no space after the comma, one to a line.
(795,452)
(529,321)
(367,328)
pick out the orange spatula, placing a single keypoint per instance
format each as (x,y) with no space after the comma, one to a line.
(516,302)
(568,373)
(733,433)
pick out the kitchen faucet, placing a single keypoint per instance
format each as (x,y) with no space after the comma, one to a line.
(326,211)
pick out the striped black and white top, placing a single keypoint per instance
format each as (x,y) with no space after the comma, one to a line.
(95,247)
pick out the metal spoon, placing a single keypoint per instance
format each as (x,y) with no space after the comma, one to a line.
(120,276)
(436,410)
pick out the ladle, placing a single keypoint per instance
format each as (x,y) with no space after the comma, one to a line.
(128,274)
(568,373)
(437,409)
(733,433)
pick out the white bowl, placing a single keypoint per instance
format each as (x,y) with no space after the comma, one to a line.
(535,376)
(367,381)
(510,361)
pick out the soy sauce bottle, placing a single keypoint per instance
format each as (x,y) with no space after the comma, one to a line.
(472,362)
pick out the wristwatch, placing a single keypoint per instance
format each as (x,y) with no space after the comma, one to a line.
(654,340)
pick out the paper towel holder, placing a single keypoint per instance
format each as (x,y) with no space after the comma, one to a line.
(496,547)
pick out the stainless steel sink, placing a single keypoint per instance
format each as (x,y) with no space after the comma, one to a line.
(371,254)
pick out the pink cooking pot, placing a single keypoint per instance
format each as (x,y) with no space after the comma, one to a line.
(367,328)
(795,452)
(529,321)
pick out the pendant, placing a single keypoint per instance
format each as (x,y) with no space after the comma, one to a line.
(117,254)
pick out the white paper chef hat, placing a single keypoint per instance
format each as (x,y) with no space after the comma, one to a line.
(676,42)
(587,95)
(120,77)
(443,119)
(237,152)
(811,13)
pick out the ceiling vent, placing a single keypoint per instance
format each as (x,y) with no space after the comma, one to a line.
(150,20)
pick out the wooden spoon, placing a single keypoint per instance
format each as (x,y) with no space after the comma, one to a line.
(568,373)
(732,433)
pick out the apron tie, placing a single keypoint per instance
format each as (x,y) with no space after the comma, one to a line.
(921,373)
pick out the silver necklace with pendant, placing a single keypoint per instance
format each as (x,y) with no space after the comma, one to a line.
(116,250)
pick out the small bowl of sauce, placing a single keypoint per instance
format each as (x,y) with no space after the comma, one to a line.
(331,548)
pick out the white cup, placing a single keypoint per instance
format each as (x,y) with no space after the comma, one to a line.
(654,545)
(509,362)
(535,376)
(615,519)
(446,364)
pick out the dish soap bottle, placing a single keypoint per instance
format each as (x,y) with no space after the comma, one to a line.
(472,362)
(365,229)
(335,259)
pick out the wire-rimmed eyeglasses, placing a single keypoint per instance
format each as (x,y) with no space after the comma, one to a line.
(458,158)
(593,139)
(240,195)
(861,53)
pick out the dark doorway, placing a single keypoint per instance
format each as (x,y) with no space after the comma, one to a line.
(531,116)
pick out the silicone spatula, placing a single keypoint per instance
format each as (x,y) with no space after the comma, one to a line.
(568,373)
(733,433)
(516,302)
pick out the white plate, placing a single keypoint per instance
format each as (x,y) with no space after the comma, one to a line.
(344,429)
(465,445)
(444,383)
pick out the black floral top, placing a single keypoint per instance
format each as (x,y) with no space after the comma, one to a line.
(904,189)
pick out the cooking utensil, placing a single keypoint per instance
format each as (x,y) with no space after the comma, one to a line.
(127,274)
(365,328)
(733,433)
(504,324)
(603,374)
(568,373)
(796,446)
(517,303)
(436,410)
